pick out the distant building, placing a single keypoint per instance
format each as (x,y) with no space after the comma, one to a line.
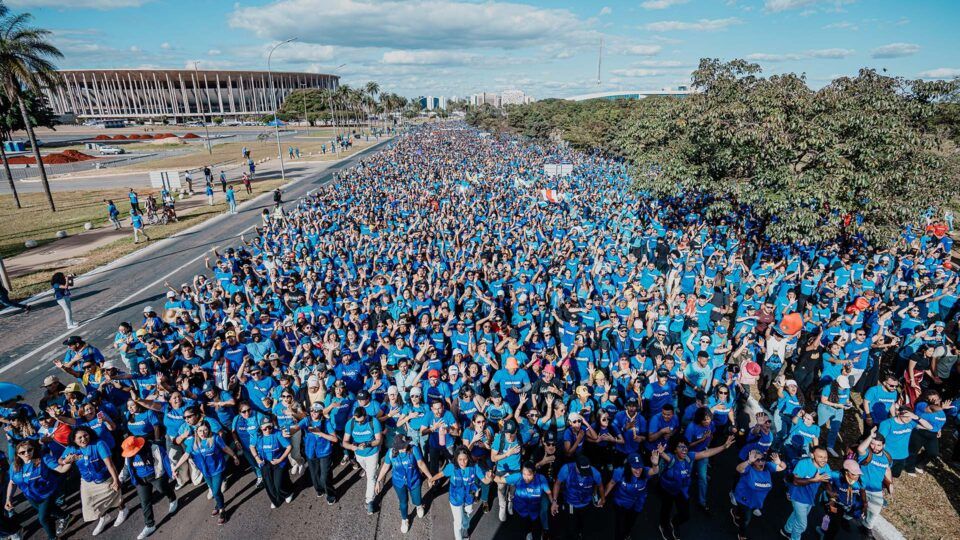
(512,97)
(139,94)
(485,98)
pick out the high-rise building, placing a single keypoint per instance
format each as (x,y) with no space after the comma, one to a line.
(512,97)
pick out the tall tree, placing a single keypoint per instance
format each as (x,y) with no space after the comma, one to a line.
(25,64)
(11,120)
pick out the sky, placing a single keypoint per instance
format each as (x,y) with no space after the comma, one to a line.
(547,48)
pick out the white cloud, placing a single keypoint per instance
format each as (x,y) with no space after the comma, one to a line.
(662,63)
(703,25)
(77,4)
(895,50)
(605,10)
(563,55)
(833,54)
(636,72)
(775,6)
(940,73)
(640,50)
(297,52)
(214,52)
(166,46)
(134,49)
(766,57)
(429,58)
(661,4)
(413,24)
(842,25)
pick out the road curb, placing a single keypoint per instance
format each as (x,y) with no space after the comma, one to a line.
(146,250)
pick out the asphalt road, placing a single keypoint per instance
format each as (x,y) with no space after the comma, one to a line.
(30,342)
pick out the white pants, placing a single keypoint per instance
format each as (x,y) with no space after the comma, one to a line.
(294,457)
(504,494)
(369,465)
(461,520)
(67,310)
(874,506)
(137,232)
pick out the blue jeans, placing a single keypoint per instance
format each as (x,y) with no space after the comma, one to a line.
(700,467)
(833,417)
(215,483)
(247,455)
(47,512)
(797,522)
(402,492)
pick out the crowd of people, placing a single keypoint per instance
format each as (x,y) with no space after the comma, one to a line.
(434,322)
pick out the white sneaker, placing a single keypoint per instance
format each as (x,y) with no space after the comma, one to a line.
(404,525)
(273,506)
(289,499)
(757,512)
(529,536)
(124,475)
(223,487)
(101,525)
(121,517)
(259,482)
(209,494)
(503,513)
(147,531)
(172,507)
(733,499)
(420,511)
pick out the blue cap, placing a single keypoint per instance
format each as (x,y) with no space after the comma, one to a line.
(635,461)
(304,340)
(204,325)
(208,386)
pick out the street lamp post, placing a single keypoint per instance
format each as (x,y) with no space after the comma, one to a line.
(333,116)
(304,86)
(203,118)
(276,123)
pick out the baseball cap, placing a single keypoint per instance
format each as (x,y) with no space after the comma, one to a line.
(316,406)
(453,370)
(74,388)
(51,379)
(843,381)
(572,417)
(393,391)
(363,394)
(73,340)
(635,461)
(510,426)
(171,294)
(415,391)
(433,374)
(852,467)
(583,464)
(147,309)
(549,368)
(141,332)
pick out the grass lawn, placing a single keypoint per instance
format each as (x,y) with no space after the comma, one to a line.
(35,221)
(78,207)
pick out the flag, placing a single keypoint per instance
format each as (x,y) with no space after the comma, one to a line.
(551,196)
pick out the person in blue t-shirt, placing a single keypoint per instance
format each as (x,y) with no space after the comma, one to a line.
(580,484)
(406,463)
(845,497)
(319,436)
(675,480)
(363,435)
(875,465)
(629,487)
(925,442)
(532,498)
(35,474)
(145,467)
(99,480)
(808,475)
(208,451)
(834,400)
(879,399)
(897,431)
(466,479)
(753,486)
(272,450)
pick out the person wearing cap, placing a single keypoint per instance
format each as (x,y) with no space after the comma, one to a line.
(407,468)
(319,438)
(145,469)
(78,350)
(576,434)
(808,475)
(100,489)
(61,284)
(879,400)
(834,400)
(675,479)
(659,393)
(413,411)
(790,401)
(35,473)
(259,346)
(271,450)
(512,381)
(256,383)
(845,496)
(52,392)
(628,484)
(434,388)
(505,453)
(532,497)
(363,435)
(391,410)
(466,479)
(578,484)
(753,486)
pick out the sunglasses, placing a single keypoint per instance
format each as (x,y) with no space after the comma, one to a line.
(25,452)
(245,411)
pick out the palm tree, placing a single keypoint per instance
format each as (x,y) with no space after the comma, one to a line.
(25,54)
(373,90)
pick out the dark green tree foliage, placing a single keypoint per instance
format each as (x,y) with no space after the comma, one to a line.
(863,155)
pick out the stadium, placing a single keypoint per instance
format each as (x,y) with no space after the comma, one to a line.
(175,94)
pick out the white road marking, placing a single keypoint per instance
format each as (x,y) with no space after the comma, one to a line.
(61,337)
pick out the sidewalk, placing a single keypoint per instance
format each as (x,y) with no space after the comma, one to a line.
(72,249)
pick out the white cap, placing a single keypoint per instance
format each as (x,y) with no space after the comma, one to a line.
(171,294)
(790,382)
(148,309)
(843,381)
(393,390)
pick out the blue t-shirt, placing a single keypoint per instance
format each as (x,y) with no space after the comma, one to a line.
(880,402)
(272,446)
(502,445)
(464,483)
(92,462)
(754,485)
(675,476)
(527,495)
(364,432)
(630,491)
(37,482)
(578,488)
(207,454)
(898,437)
(874,467)
(806,494)
(315,446)
(405,472)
